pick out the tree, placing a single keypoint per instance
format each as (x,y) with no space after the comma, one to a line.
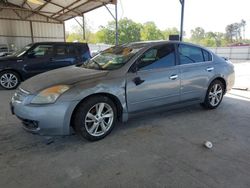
(170,31)
(197,34)
(77,35)
(128,30)
(234,31)
(214,39)
(149,31)
(243,25)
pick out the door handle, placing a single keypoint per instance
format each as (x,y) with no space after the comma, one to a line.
(173,77)
(210,69)
(19,60)
(138,81)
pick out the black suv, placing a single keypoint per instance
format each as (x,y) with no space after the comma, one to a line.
(40,57)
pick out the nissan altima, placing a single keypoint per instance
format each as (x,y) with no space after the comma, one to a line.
(118,82)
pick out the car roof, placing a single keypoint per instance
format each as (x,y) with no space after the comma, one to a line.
(161,42)
(71,43)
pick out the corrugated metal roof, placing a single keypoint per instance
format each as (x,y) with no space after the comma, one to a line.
(59,10)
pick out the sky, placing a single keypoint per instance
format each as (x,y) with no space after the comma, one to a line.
(212,15)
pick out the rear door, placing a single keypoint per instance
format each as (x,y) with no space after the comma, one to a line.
(156,81)
(64,55)
(196,69)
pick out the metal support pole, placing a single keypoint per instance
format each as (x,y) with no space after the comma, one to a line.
(31,32)
(64,32)
(116,25)
(182,18)
(83,27)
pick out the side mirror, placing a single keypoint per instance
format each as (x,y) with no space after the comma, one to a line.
(134,68)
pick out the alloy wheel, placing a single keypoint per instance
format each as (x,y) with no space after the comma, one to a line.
(215,94)
(99,119)
(9,80)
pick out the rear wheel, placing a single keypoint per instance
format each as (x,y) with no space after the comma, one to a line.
(95,118)
(214,95)
(9,80)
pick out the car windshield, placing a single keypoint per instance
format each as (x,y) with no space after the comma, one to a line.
(112,58)
(22,51)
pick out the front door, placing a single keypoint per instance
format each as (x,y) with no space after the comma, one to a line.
(37,59)
(156,81)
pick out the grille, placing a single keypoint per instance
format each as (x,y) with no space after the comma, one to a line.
(20,95)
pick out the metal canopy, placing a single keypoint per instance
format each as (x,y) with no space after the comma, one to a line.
(59,10)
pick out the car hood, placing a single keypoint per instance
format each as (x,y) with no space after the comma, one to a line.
(8,58)
(69,75)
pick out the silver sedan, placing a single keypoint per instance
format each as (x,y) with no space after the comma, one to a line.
(119,82)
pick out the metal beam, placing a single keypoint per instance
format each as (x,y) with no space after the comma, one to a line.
(38,9)
(40,21)
(116,21)
(65,8)
(85,12)
(49,1)
(24,9)
(109,11)
(15,11)
(24,2)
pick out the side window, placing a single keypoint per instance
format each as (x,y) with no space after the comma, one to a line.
(207,56)
(190,54)
(41,50)
(159,57)
(60,50)
(71,50)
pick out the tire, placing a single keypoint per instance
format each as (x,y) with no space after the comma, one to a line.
(214,95)
(9,80)
(91,124)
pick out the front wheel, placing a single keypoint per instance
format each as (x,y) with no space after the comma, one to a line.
(9,80)
(95,118)
(214,95)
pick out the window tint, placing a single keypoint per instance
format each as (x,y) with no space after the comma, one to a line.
(42,50)
(207,56)
(60,50)
(71,50)
(190,54)
(160,57)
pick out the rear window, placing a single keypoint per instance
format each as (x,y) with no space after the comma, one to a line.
(190,54)
(207,56)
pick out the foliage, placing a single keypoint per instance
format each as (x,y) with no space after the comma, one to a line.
(234,31)
(150,31)
(130,31)
(170,31)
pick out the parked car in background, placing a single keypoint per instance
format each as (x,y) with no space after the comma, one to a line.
(4,50)
(119,82)
(40,57)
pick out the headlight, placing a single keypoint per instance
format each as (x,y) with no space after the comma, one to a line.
(49,95)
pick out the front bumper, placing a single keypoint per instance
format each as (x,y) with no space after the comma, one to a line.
(51,119)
